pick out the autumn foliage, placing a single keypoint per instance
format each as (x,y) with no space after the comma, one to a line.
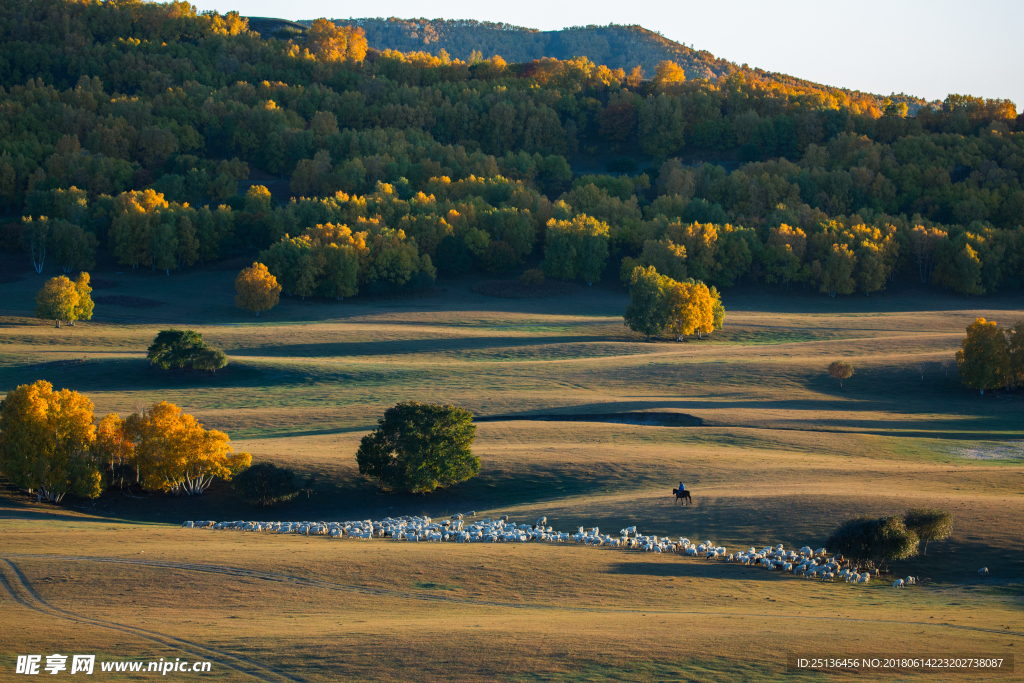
(50,444)
(60,299)
(659,303)
(46,440)
(257,290)
(126,127)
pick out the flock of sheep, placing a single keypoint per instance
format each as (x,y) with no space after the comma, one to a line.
(806,562)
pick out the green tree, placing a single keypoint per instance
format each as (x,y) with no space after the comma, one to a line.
(163,245)
(73,248)
(648,311)
(36,236)
(667,257)
(210,359)
(836,274)
(45,442)
(576,248)
(186,243)
(959,269)
(929,524)
(419,447)
(1015,351)
(265,484)
(175,348)
(874,541)
(983,359)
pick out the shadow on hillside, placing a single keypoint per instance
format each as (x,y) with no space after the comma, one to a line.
(415,346)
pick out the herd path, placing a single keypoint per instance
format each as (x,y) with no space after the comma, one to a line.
(8,569)
(18,587)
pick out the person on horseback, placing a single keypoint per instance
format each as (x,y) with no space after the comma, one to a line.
(681,487)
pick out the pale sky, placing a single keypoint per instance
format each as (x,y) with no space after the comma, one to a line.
(925,48)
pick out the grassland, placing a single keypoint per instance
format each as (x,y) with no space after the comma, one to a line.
(784,453)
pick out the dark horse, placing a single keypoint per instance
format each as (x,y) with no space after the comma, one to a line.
(681,495)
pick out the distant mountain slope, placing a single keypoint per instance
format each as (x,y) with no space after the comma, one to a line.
(614,46)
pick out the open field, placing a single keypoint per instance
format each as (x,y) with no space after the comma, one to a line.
(783,455)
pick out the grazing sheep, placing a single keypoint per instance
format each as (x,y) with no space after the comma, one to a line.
(458,529)
(983,571)
(898,583)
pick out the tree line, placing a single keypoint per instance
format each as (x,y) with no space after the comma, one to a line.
(52,444)
(139,138)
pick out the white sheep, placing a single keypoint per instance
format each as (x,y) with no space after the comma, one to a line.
(983,571)
(899,583)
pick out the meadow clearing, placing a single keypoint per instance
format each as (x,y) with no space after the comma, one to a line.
(782,456)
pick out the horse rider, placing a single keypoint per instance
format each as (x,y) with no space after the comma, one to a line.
(681,487)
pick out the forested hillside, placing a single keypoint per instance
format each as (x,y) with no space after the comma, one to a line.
(132,126)
(617,47)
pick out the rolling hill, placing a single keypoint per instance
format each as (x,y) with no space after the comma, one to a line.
(615,46)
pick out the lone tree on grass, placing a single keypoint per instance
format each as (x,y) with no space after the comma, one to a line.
(840,371)
(257,289)
(61,299)
(929,524)
(657,302)
(984,359)
(178,348)
(266,484)
(874,542)
(419,447)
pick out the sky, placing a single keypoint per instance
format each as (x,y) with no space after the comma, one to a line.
(923,48)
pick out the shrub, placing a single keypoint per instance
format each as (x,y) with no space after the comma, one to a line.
(266,484)
(419,447)
(929,524)
(533,277)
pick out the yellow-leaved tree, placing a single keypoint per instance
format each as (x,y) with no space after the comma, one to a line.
(115,449)
(175,454)
(57,300)
(45,442)
(61,299)
(257,289)
(330,43)
(694,308)
(83,311)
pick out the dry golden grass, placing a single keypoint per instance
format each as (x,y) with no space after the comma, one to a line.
(784,455)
